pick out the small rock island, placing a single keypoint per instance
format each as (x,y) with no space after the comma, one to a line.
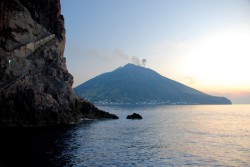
(134,116)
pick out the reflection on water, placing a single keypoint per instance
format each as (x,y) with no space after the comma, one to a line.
(167,135)
(36,147)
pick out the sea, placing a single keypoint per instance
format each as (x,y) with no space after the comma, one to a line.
(168,135)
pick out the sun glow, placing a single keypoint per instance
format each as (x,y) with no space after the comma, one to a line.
(221,60)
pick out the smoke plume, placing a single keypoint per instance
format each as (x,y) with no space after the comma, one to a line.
(143,62)
(136,60)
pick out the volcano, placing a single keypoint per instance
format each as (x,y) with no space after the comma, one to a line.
(134,84)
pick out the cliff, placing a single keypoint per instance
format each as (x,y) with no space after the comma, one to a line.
(35,85)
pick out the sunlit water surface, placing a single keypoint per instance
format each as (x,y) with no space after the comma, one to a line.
(193,135)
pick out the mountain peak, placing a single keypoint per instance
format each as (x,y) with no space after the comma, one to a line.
(133,69)
(131,66)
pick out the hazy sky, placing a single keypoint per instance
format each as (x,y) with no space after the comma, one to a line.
(203,44)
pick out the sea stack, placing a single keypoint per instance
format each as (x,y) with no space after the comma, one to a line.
(35,85)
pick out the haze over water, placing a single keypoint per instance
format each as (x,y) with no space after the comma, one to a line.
(188,135)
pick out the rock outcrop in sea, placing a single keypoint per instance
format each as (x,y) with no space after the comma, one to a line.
(35,85)
(134,116)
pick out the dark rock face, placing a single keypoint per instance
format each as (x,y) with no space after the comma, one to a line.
(35,85)
(134,116)
(92,112)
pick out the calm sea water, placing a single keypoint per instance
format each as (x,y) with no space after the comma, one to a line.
(193,135)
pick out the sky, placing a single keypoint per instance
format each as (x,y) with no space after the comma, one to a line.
(202,44)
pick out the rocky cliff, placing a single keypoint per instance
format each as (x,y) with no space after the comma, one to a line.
(35,85)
